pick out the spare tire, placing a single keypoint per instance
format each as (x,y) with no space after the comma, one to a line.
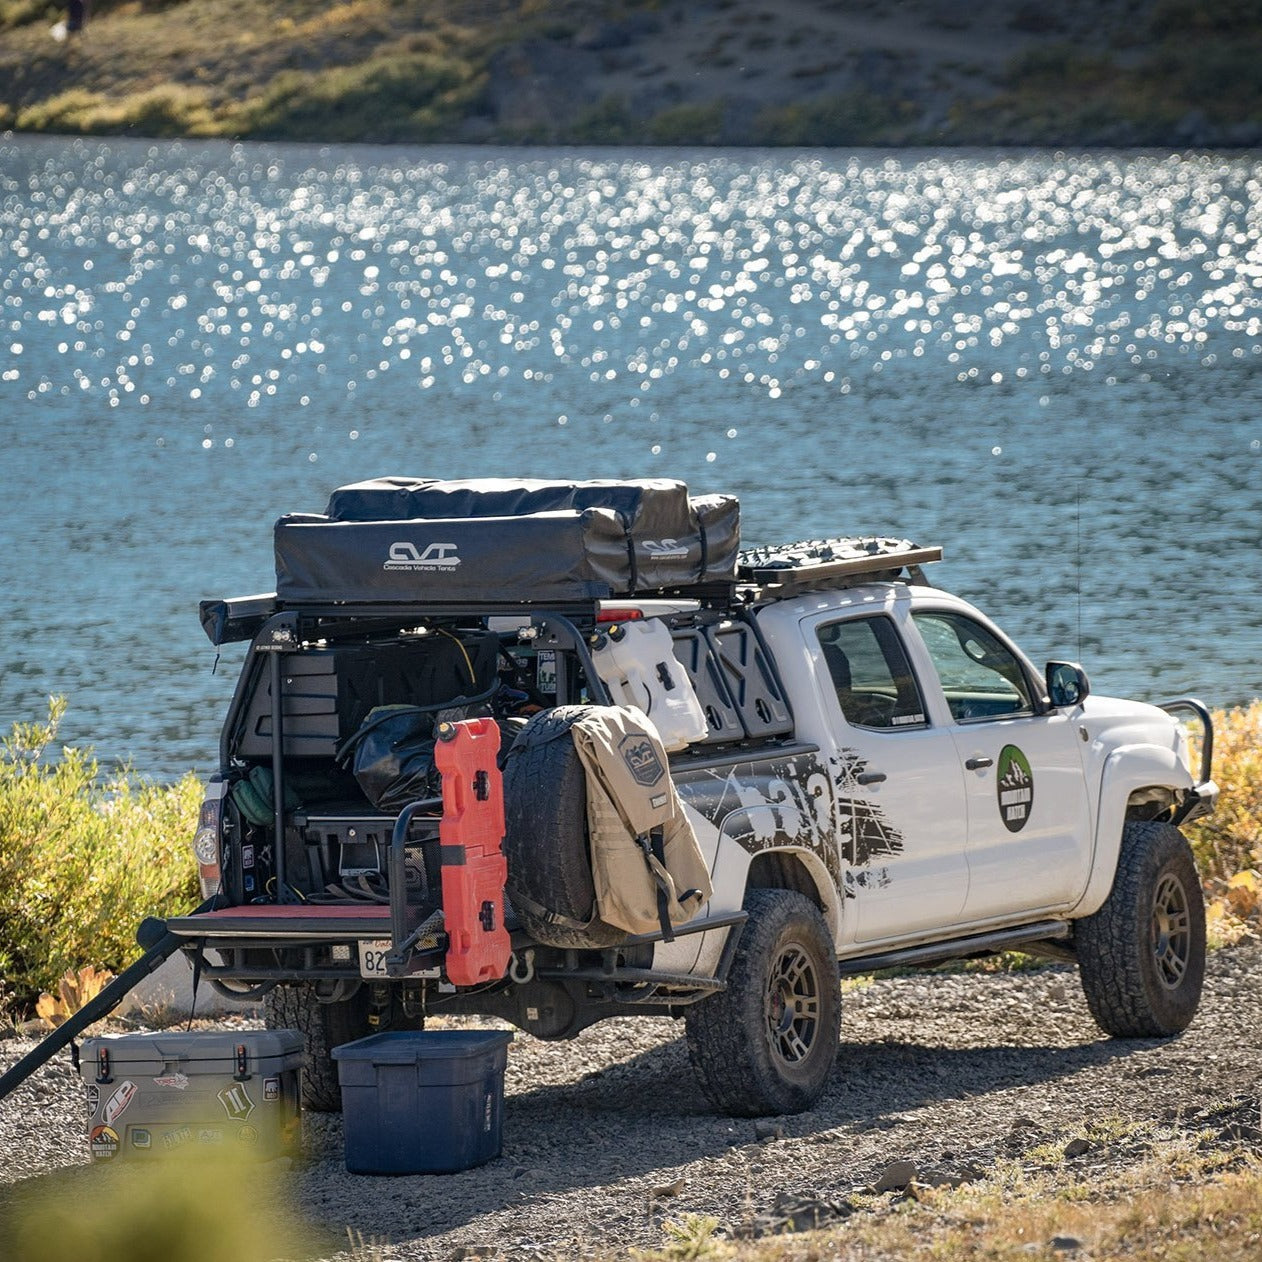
(546,841)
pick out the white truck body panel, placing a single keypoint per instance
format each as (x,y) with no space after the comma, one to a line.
(967,853)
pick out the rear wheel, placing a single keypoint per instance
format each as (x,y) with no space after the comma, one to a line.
(323,1027)
(1141,957)
(768,1042)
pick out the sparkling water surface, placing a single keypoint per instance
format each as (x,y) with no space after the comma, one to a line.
(1050,364)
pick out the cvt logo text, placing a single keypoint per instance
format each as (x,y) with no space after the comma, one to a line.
(437,556)
(665,549)
(641,758)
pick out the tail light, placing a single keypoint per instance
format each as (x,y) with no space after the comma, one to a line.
(207,842)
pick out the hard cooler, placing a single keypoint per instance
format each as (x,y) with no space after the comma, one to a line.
(231,1093)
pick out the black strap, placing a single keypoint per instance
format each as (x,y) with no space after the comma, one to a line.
(198,961)
(657,843)
(540,912)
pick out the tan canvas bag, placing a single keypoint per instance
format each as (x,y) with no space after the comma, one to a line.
(646,865)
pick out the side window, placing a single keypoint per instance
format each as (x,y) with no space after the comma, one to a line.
(869,669)
(980,676)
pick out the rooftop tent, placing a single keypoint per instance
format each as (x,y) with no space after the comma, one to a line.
(566,556)
(401,539)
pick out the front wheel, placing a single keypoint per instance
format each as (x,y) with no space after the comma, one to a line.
(1141,957)
(768,1042)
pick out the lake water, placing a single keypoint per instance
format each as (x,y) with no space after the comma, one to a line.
(1049,364)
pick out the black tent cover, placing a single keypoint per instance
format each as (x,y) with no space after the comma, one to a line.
(398,540)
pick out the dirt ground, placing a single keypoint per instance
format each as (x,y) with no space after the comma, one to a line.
(606,1137)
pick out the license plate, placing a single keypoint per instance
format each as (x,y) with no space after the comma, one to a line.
(372,956)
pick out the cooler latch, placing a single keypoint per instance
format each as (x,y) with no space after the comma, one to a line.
(243,1068)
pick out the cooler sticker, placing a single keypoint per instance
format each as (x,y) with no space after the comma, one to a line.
(641,758)
(177,1138)
(210,1135)
(236,1102)
(1014,783)
(247,856)
(488,1111)
(249,885)
(248,1135)
(115,1106)
(177,1080)
(104,1142)
(141,1138)
(94,1099)
(271,1089)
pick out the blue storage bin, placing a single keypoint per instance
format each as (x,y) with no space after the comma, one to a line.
(422,1102)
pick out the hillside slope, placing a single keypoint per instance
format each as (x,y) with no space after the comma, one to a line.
(776,72)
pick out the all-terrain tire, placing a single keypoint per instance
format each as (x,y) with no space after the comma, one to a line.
(546,842)
(323,1026)
(767,1044)
(1141,957)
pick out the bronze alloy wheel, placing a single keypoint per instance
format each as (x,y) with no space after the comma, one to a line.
(1171,931)
(766,1044)
(1141,956)
(793,1004)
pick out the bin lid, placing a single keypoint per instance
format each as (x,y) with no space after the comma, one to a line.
(405,1047)
(219,1046)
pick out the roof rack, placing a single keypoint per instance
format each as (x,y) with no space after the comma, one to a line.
(788,568)
(771,573)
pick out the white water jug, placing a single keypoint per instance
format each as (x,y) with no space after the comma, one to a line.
(636,662)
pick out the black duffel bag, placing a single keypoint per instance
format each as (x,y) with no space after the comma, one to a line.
(392,756)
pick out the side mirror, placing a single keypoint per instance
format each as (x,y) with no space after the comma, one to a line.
(1067,683)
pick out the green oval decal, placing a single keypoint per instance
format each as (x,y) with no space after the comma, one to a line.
(1015,787)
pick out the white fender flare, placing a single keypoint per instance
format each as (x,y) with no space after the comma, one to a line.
(1127,768)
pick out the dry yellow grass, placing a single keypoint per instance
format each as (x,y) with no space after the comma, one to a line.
(1228,844)
(1180,1205)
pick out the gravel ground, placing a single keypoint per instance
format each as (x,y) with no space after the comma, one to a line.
(606,1136)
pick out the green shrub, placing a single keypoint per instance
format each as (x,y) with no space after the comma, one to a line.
(161,1211)
(607,122)
(853,118)
(83,858)
(396,97)
(169,109)
(688,125)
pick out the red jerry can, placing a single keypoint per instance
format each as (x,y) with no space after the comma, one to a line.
(473,865)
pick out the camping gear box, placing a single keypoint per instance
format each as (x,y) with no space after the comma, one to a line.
(425,1102)
(231,1092)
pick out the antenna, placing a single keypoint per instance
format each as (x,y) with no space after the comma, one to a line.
(1078,559)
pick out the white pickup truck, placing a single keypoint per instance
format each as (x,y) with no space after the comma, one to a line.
(882,779)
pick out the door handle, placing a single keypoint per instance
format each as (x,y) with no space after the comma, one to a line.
(870,777)
(976,764)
